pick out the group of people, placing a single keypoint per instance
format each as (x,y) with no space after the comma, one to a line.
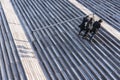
(90,27)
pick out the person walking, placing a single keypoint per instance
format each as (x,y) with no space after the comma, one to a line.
(83,24)
(96,27)
(88,28)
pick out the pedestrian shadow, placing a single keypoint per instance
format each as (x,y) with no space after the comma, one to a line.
(23,47)
(25,52)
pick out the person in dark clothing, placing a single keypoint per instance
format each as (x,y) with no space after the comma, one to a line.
(88,27)
(83,24)
(96,26)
